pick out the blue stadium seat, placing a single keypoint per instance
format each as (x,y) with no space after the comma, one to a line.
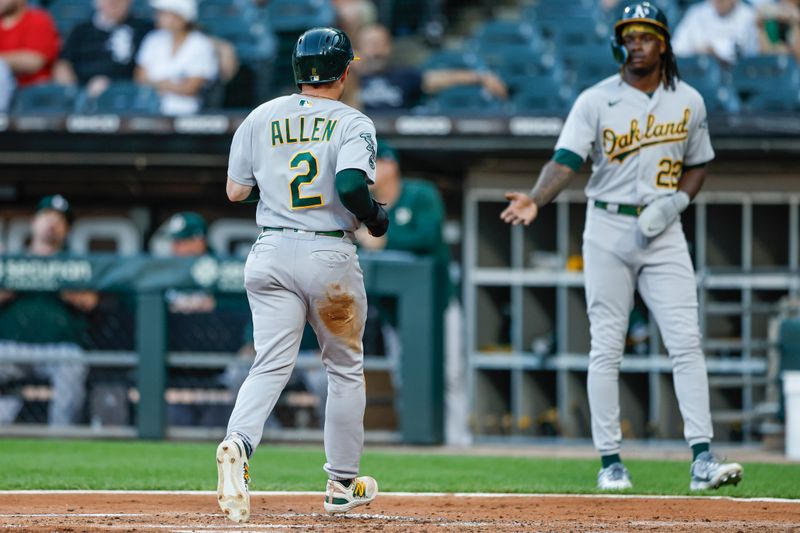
(718,97)
(122,98)
(779,99)
(45,98)
(299,15)
(699,66)
(515,63)
(755,75)
(142,9)
(453,59)
(538,96)
(68,13)
(470,99)
(580,33)
(506,33)
(588,65)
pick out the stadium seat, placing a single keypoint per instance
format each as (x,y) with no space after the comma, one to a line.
(717,96)
(142,9)
(779,99)
(506,33)
(231,236)
(539,96)
(45,98)
(68,13)
(755,75)
(121,231)
(453,59)
(699,66)
(296,16)
(470,99)
(121,99)
(588,65)
(580,33)
(515,63)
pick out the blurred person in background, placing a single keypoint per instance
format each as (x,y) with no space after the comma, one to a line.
(187,232)
(48,327)
(384,86)
(725,29)
(29,42)
(102,49)
(779,27)
(353,15)
(176,58)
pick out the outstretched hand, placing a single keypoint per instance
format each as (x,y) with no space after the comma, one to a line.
(521,209)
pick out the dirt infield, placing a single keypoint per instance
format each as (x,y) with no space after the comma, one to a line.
(83,511)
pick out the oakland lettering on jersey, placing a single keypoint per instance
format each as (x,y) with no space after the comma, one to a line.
(301,130)
(618,146)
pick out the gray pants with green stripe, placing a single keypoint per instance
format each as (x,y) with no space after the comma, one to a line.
(618,260)
(292,277)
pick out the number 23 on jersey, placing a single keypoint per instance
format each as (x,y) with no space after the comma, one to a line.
(304,161)
(669,173)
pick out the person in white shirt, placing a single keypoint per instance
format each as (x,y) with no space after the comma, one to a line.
(176,59)
(725,29)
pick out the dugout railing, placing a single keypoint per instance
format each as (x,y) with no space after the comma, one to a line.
(408,280)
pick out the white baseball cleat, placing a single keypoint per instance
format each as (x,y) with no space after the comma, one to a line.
(340,499)
(233,477)
(708,472)
(614,477)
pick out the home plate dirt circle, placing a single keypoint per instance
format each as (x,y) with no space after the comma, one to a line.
(197,511)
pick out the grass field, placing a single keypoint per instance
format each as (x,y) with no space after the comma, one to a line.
(114,465)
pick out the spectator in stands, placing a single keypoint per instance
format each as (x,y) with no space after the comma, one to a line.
(176,59)
(29,41)
(779,27)
(102,49)
(50,328)
(384,86)
(725,29)
(353,15)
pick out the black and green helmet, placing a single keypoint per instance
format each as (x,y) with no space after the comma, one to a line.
(642,12)
(321,55)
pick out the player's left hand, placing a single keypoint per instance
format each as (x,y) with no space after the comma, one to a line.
(521,209)
(661,213)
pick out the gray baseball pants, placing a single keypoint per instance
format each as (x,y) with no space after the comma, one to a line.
(617,260)
(292,277)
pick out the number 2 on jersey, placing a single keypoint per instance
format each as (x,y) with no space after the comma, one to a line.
(669,173)
(299,201)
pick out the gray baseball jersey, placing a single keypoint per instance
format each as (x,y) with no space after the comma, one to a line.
(638,144)
(292,147)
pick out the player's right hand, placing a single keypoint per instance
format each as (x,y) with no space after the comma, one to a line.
(521,209)
(378,222)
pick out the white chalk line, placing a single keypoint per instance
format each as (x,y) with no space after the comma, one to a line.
(404,495)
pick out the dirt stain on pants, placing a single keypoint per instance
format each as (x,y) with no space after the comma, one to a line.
(339,313)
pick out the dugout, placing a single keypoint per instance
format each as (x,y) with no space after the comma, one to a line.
(524,323)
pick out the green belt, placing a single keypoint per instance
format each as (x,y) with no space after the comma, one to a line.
(622,209)
(337,233)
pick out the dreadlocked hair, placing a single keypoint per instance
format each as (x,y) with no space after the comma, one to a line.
(669,68)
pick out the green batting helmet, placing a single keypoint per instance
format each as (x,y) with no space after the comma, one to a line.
(321,55)
(642,12)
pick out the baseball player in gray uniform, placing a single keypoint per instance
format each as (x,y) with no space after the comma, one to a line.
(646,133)
(309,159)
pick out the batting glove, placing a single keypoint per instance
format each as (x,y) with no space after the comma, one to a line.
(661,213)
(378,221)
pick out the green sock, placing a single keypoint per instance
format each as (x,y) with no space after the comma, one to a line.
(609,460)
(346,483)
(699,448)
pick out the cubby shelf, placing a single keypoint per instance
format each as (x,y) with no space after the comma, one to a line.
(528,340)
